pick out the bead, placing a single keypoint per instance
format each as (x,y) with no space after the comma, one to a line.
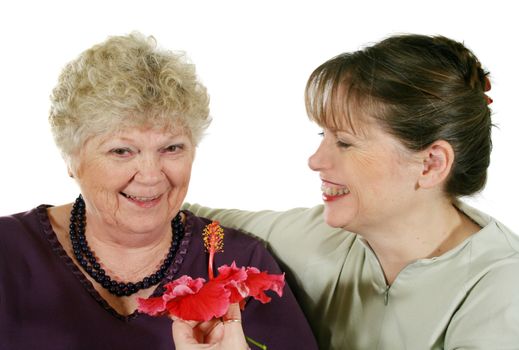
(88,261)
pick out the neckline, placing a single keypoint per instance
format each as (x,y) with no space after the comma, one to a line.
(59,250)
(485,222)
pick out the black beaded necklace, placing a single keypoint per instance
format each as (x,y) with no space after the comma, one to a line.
(87,260)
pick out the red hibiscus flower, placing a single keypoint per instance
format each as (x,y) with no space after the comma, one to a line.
(198,300)
(258,282)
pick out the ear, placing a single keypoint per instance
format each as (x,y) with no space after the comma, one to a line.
(437,164)
(71,161)
(70,173)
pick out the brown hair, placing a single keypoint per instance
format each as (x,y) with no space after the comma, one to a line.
(421,89)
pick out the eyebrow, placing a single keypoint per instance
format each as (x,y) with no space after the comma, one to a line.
(128,139)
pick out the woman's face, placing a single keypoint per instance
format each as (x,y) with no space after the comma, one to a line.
(137,179)
(369,179)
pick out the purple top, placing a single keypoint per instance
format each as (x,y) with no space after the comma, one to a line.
(47,303)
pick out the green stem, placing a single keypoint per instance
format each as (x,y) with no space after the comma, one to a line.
(253,342)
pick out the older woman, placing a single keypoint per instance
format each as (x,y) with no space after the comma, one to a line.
(127,117)
(406,132)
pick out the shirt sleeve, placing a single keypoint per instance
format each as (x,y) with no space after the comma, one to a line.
(259,224)
(279,324)
(489,317)
(294,237)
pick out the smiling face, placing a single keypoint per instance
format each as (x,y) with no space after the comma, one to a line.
(369,179)
(134,180)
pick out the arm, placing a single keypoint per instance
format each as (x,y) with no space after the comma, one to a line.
(262,224)
(281,230)
(279,324)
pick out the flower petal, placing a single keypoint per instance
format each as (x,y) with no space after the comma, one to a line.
(258,282)
(227,274)
(152,306)
(233,279)
(182,286)
(212,300)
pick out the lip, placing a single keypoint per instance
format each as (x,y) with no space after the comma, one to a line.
(330,197)
(144,203)
(331,183)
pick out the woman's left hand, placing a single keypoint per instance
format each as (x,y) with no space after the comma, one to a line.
(214,334)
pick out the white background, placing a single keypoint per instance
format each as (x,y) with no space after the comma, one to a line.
(254,57)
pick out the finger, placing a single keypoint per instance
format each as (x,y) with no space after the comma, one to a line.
(215,335)
(193,324)
(183,333)
(233,313)
(234,337)
(208,326)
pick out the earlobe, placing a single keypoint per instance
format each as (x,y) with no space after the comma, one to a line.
(70,173)
(437,164)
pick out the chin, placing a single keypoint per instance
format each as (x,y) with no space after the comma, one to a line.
(334,219)
(145,224)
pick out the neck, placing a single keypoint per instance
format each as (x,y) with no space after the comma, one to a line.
(125,254)
(122,250)
(427,232)
(119,238)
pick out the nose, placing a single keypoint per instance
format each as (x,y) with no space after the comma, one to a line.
(149,170)
(320,159)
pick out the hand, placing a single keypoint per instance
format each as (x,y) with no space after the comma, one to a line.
(214,334)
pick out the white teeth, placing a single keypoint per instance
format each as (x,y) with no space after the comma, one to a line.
(141,199)
(334,191)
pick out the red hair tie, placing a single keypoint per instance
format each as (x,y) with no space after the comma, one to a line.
(487,87)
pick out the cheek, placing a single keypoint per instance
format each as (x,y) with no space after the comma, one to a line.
(102,175)
(366,169)
(180,174)
(375,179)
(100,183)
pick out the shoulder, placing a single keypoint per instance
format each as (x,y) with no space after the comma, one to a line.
(494,241)
(238,246)
(494,261)
(489,315)
(231,235)
(10,224)
(22,237)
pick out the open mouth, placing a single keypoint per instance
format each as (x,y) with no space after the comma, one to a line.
(143,201)
(333,193)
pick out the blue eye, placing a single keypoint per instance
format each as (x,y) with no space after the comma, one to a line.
(321,133)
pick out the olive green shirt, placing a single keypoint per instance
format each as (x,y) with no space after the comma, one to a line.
(467,298)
